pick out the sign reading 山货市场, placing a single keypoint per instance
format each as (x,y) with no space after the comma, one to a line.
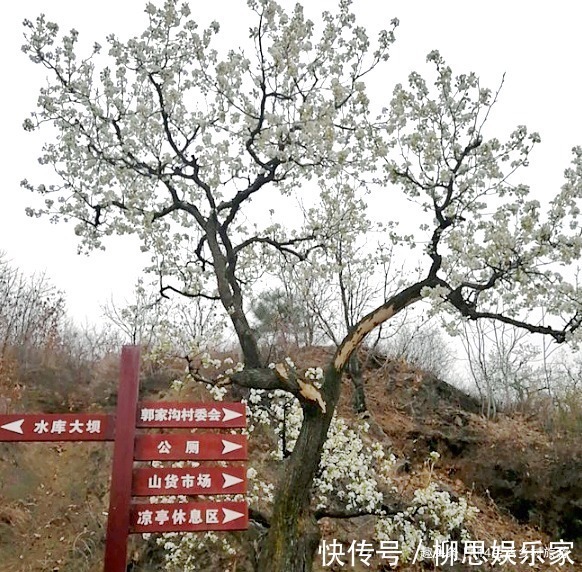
(149,481)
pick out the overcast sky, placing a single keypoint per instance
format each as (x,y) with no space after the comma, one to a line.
(537,44)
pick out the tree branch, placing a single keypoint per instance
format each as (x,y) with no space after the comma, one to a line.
(280,246)
(186,294)
(235,203)
(266,379)
(384,509)
(378,316)
(469,310)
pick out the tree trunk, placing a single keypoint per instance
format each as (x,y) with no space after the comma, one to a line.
(246,338)
(355,371)
(231,296)
(294,535)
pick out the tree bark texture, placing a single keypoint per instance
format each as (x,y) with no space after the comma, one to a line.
(231,295)
(355,371)
(294,535)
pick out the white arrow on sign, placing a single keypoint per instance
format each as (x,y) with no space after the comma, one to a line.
(230,414)
(230,480)
(14,426)
(229,446)
(230,515)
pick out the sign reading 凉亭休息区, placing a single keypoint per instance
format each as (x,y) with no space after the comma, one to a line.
(189,481)
(188,517)
(57,427)
(190,447)
(213,415)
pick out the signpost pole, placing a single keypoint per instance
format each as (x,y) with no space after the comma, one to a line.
(120,493)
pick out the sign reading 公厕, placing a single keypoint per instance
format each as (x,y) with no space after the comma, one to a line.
(190,447)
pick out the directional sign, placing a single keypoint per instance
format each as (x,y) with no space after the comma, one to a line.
(57,427)
(191,447)
(189,481)
(183,414)
(188,517)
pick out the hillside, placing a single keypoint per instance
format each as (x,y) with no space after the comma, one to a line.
(524,480)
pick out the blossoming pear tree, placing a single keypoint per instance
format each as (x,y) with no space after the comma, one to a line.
(173,140)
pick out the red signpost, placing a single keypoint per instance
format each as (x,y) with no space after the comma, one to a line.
(189,517)
(121,474)
(189,481)
(191,447)
(57,427)
(203,415)
(125,518)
